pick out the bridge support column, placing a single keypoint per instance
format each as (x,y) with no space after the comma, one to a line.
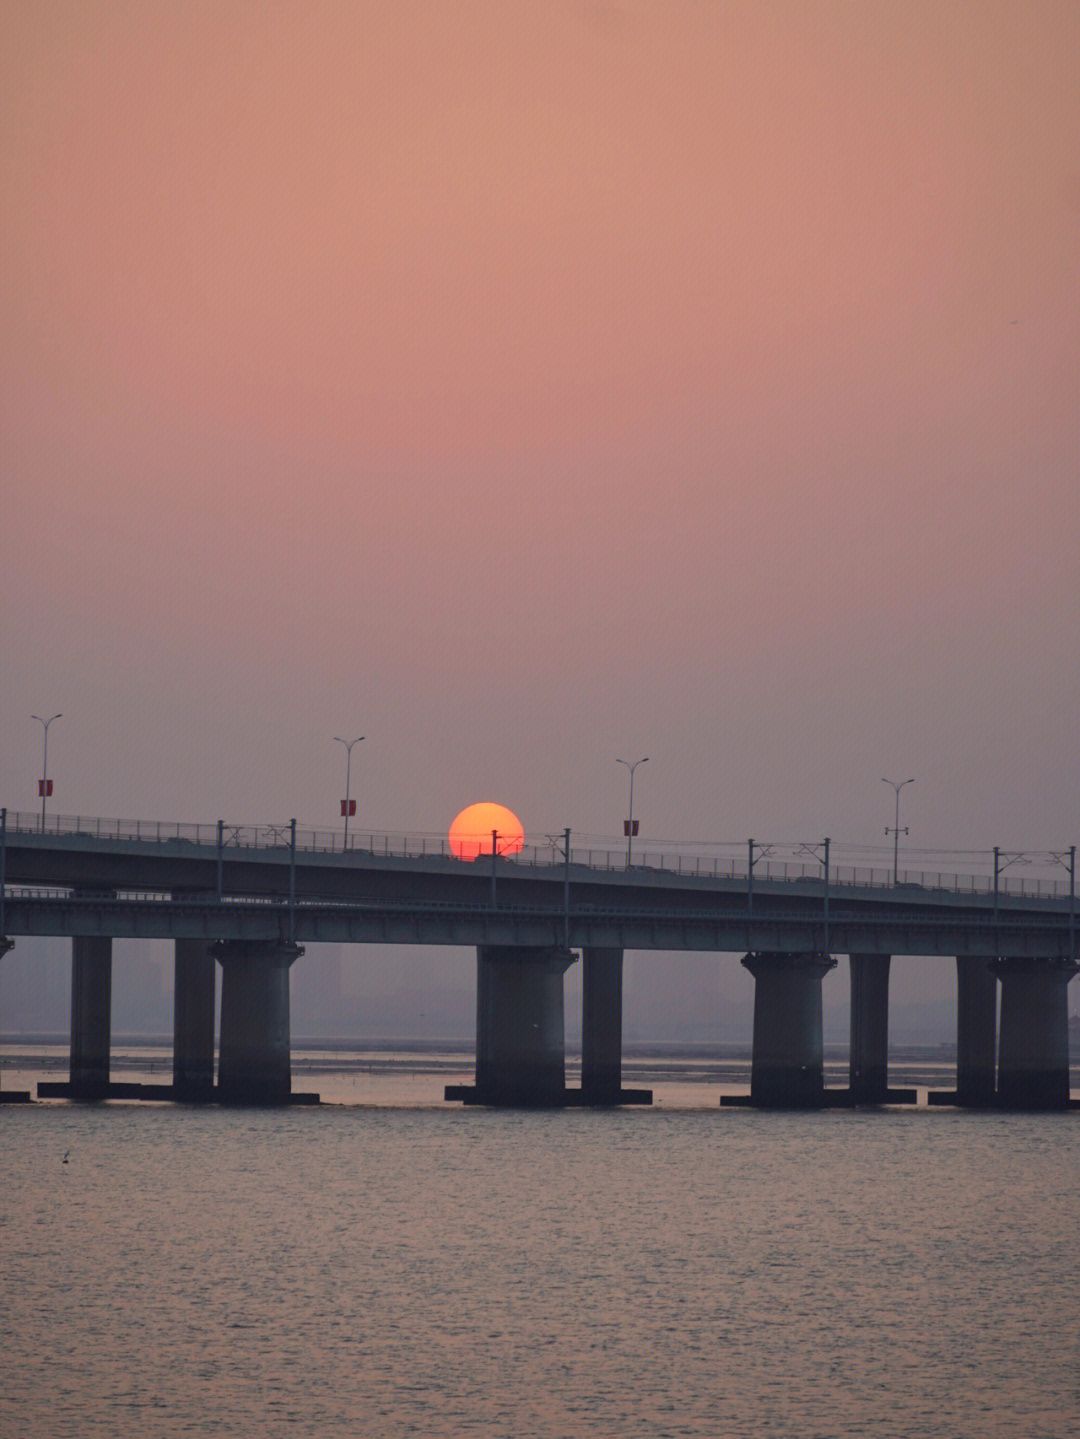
(193,1021)
(254,1062)
(520,1040)
(868,1078)
(91,1017)
(601,1025)
(11,1096)
(787,1070)
(1033,1046)
(976,1029)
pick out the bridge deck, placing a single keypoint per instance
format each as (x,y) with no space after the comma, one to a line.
(228,882)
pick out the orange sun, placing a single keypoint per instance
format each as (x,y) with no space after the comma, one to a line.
(471,832)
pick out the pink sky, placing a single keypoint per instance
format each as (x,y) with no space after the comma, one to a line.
(523,385)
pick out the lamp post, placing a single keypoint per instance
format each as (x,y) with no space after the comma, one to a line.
(44,783)
(630,822)
(348,743)
(894,829)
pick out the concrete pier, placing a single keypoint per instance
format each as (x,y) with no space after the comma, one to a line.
(520,1034)
(254,1064)
(1033,1046)
(11,1096)
(787,1070)
(868,1061)
(91,1017)
(976,1030)
(601,1025)
(193,1021)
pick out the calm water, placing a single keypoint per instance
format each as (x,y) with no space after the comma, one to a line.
(400,1268)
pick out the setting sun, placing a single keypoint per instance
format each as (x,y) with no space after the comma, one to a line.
(471,832)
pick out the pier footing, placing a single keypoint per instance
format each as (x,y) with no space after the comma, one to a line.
(571,1098)
(155,1093)
(829,1099)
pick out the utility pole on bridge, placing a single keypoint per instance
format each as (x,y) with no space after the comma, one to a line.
(894,829)
(348,806)
(628,826)
(44,787)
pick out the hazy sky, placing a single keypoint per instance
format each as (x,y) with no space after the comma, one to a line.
(526,384)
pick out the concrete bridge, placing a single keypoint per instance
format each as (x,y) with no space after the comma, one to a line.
(249,899)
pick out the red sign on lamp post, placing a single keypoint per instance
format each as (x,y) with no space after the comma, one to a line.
(348,808)
(44,788)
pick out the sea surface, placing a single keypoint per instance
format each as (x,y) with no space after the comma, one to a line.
(388,1265)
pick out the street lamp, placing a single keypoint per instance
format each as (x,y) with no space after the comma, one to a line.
(346,807)
(894,829)
(630,822)
(43,783)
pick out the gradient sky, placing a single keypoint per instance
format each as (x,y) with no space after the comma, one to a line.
(526,384)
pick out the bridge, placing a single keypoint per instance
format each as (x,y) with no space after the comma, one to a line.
(248,898)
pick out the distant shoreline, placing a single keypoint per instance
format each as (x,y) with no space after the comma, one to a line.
(725,1050)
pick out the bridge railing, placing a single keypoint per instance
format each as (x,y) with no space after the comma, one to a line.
(1038,873)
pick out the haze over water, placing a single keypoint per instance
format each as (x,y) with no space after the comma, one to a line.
(417,1270)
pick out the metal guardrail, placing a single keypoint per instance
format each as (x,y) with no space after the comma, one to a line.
(784,860)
